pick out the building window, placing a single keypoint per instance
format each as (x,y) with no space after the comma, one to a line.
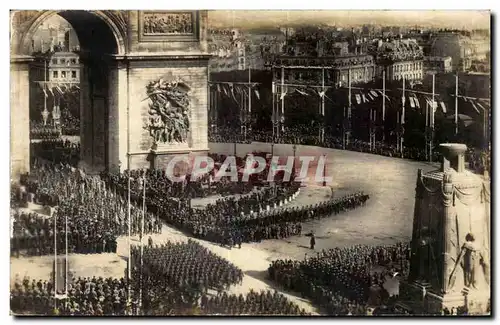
(63,74)
(55,74)
(73,74)
(73,61)
(63,61)
(54,61)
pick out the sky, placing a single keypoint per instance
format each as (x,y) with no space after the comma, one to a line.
(439,19)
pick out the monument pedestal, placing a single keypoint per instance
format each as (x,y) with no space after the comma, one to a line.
(450,240)
(474,301)
(412,296)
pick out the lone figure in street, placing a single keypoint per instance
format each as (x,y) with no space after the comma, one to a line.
(313,241)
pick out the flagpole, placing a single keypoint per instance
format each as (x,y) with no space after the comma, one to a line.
(273,113)
(66,261)
(383,105)
(129,271)
(142,235)
(349,107)
(249,98)
(402,137)
(44,87)
(322,136)
(456,104)
(55,261)
(432,116)
(282,117)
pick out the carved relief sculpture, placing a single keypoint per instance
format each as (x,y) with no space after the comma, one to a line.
(168,23)
(168,111)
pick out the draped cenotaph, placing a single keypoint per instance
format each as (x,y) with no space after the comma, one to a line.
(450,249)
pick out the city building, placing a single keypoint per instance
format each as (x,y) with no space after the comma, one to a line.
(64,67)
(437,64)
(309,69)
(400,58)
(456,46)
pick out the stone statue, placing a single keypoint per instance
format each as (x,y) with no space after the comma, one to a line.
(473,262)
(169,111)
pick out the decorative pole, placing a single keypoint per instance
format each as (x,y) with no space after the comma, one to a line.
(141,237)
(348,121)
(45,113)
(383,105)
(249,120)
(456,104)
(431,140)
(402,123)
(322,135)
(282,117)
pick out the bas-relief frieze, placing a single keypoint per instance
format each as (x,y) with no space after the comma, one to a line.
(168,112)
(168,25)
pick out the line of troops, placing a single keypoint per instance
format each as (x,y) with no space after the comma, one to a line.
(344,281)
(57,151)
(165,289)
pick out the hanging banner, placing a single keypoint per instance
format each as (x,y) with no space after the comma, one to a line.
(358,98)
(302,92)
(412,103)
(257,93)
(475,107)
(443,107)
(417,103)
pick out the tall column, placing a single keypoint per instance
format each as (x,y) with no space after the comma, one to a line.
(19,116)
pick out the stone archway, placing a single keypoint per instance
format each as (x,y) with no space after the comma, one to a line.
(100,39)
(119,57)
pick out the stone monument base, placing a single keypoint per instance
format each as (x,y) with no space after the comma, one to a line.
(412,297)
(474,301)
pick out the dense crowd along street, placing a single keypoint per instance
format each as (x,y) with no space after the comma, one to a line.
(340,280)
(176,280)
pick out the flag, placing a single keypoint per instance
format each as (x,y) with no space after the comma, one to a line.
(45,93)
(370,95)
(302,92)
(257,93)
(443,107)
(481,106)
(358,98)
(412,103)
(218,88)
(474,106)
(51,92)
(365,100)
(283,94)
(417,103)
(374,93)
(321,94)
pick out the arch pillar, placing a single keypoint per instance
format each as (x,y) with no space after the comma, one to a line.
(19,116)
